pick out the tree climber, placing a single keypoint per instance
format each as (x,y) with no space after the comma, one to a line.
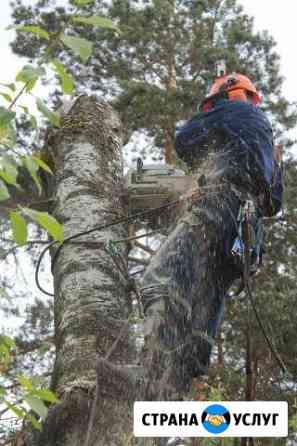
(228,144)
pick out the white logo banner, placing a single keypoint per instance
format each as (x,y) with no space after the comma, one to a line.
(211,419)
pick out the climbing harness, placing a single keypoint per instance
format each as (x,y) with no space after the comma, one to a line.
(250,234)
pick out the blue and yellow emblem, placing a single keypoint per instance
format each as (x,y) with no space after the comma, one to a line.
(216,419)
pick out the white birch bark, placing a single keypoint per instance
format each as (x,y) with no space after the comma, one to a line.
(91,305)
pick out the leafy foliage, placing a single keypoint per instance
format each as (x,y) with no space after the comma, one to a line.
(163,61)
(66,81)
(19,228)
(80,47)
(53,117)
(156,70)
(32,399)
(25,398)
(35,30)
(46,221)
(94,20)
(29,75)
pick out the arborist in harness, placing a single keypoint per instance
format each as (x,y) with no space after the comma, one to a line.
(228,144)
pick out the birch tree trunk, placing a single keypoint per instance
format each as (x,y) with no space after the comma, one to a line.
(91,307)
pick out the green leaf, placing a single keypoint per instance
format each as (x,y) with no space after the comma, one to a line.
(6,346)
(96,20)
(2,391)
(35,423)
(6,96)
(9,171)
(29,75)
(37,405)
(7,135)
(42,164)
(25,382)
(81,47)
(25,109)
(44,348)
(33,120)
(32,168)
(6,116)
(46,395)
(6,340)
(35,30)
(19,228)
(4,354)
(3,254)
(48,222)
(19,412)
(7,178)
(4,194)
(11,87)
(293,422)
(66,81)
(53,117)
(82,2)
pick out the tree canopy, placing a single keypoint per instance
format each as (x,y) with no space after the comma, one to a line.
(154,61)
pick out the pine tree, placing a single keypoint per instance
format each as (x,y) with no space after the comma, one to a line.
(249,369)
(162,64)
(156,72)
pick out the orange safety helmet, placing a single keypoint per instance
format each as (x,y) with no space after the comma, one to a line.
(235,86)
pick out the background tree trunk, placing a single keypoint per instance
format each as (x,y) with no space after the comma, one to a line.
(91,308)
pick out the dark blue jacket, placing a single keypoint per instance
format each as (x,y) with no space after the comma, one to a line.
(248,130)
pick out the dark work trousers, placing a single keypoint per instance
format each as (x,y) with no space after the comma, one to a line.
(184,286)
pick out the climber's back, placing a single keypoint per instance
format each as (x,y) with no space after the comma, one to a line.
(230,121)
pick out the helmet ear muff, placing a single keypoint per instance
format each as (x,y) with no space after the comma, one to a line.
(211,101)
(206,105)
(251,97)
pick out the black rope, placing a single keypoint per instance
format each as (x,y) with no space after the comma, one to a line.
(269,343)
(96,228)
(101,228)
(246,285)
(134,217)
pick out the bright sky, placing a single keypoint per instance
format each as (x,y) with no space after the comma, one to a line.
(9,63)
(279,18)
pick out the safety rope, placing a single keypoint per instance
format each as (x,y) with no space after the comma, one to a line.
(127,219)
(122,220)
(99,228)
(266,337)
(246,286)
